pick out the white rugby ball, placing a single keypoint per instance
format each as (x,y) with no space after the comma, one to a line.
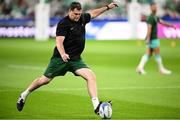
(105,110)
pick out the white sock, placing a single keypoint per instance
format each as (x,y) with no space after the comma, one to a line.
(95,102)
(25,94)
(159,61)
(143,61)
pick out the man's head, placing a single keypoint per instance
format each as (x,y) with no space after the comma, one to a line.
(153,7)
(75,11)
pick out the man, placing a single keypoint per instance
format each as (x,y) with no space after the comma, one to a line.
(70,42)
(153,43)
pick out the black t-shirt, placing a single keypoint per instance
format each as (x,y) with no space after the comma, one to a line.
(74,33)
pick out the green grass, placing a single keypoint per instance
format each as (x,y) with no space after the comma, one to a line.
(134,96)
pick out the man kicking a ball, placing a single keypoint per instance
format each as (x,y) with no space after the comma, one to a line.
(70,42)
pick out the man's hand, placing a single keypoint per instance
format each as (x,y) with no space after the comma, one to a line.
(112,5)
(65,57)
(147,41)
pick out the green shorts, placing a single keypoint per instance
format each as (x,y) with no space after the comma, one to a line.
(154,43)
(57,67)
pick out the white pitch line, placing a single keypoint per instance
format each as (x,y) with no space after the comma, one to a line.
(114,88)
(105,88)
(25,67)
(141,87)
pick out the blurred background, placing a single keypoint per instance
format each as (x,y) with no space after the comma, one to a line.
(21,9)
(20,15)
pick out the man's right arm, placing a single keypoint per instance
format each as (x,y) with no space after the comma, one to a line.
(96,12)
(166,23)
(60,47)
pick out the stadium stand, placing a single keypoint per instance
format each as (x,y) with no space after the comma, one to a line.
(25,8)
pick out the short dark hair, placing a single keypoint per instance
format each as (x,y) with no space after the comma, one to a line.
(75,5)
(152,3)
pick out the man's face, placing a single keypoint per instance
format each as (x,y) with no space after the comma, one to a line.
(153,8)
(75,14)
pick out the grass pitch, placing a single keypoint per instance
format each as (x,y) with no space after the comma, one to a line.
(134,96)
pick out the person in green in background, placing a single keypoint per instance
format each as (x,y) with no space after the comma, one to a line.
(153,43)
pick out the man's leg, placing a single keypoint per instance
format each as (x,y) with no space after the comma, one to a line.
(90,77)
(144,59)
(159,62)
(43,80)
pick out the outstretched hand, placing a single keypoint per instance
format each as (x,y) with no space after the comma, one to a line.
(112,5)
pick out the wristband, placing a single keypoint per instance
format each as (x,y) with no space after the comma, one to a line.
(107,7)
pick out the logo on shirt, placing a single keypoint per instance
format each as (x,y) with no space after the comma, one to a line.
(72,28)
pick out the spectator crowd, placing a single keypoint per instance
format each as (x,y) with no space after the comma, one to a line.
(59,8)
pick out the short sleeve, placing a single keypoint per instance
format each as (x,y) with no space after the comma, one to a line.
(150,20)
(61,29)
(87,17)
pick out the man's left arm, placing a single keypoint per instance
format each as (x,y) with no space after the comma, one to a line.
(166,24)
(96,12)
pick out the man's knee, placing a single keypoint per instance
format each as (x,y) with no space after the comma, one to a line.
(44,80)
(91,76)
